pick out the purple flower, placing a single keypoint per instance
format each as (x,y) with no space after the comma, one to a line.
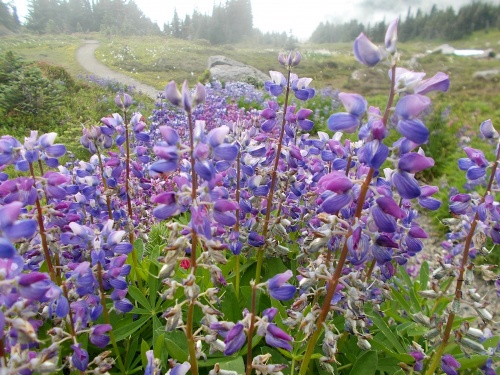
(487,129)
(255,239)
(222,214)
(7,250)
(413,162)
(123,101)
(34,285)
(277,83)
(80,357)
(276,337)
(449,364)
(414,130)
(235,339)
(406,185)
(391,36)
(366,52)
(279,288)
(411,106)
(97,336)
(185,100)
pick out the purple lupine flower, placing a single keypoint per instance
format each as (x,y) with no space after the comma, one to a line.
(348,121)
(487,129)
(291,60)
(97,335)
(366,52)
(7,250)
(335,181)
(12,228)
(439,82)
(449,364)
(180,369)
(406,185)
(335,202)
(185,100)
(235,339)
(34,285)
(277,83)
(301,88)
(279,288)
(411,106)
(80,357)
(167,205)
(222,214)
(391,36)
(269,114)
(375,153)
(277,338)
(123,101)
(425,199)
(255,239)
(413,162)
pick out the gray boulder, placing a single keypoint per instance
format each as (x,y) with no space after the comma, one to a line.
(225,69)
(487,75)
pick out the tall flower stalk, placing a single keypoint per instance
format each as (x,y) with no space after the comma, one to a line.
(293,60)
(464,265)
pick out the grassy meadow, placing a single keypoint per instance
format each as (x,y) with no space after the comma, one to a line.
(157,60)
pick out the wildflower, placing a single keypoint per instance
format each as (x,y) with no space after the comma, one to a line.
(80,357)
(97,336)
(348,121)
(449,364)
(276,337)
(279,288)
(235,339)
(186,100)
(366,52)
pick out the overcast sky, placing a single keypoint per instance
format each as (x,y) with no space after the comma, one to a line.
(301,17)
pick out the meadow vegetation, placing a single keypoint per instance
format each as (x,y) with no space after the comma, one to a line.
(390,316)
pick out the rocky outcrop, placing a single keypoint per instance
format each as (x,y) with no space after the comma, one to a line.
(225,69)
(487,75)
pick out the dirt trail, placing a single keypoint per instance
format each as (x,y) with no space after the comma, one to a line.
(85,56)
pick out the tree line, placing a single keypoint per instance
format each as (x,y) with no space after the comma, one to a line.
(437,24)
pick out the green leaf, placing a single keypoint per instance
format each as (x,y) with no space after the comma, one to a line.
(229,307)
(127,330)
(153,283)
(235,365)
(391,337)
(378,344)
(366,364)
(401,299)
(473,362)
(158,350)
(130,354)
(139,297)
(274,266)
(139,248)
(410,289)
(177,345)
(144,349)
(424,275)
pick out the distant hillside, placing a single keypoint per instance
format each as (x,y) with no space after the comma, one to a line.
(437,24)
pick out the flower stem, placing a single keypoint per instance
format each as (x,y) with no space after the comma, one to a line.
(237,224)
(43,236)
(261,250)
(194,245)
(131,235)
(105,184)
(107,319)
(436,357)
(334,281)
